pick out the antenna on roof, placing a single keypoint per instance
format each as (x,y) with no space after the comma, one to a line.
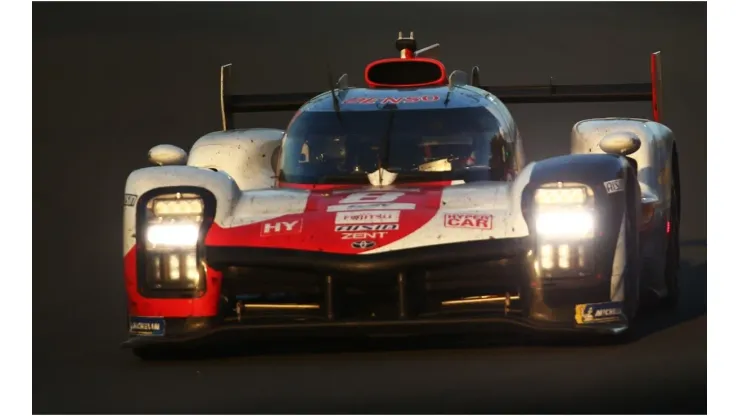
(343,82)
(456,78)
(430,51)
(406,46)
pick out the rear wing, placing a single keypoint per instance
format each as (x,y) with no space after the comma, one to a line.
(650,91)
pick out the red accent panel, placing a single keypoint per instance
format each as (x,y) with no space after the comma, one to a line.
(442,80)
(654,77)
(206,305)
(334,219)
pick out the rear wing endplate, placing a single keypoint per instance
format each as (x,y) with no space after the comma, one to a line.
(652,91)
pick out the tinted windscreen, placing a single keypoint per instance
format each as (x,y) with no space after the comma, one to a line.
(419,145)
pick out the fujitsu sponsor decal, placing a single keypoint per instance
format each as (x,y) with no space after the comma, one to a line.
(472,221)
(367,217)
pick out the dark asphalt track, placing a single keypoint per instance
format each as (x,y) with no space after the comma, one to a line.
(112,81)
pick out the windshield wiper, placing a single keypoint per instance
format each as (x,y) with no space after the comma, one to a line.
(384,154)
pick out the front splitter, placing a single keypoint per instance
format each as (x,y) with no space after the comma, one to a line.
(416,327)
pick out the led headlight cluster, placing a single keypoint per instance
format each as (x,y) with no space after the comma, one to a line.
(172,232)
(565,222)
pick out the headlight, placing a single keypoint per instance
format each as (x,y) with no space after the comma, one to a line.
(172,230)
(565,222)
(177,207)
(173,235)
(561,196)
(568,224)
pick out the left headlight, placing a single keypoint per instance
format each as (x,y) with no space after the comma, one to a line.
(172,231)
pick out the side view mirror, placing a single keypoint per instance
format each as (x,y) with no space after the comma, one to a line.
(167,154)
(620,143)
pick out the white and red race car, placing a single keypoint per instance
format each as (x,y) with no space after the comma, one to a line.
(400,207)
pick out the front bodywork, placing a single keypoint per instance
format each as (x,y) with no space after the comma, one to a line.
(424,256)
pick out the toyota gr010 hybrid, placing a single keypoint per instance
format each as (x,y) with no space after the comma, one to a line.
(399,207)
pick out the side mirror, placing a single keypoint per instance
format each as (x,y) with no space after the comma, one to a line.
(167,154)
(620,143)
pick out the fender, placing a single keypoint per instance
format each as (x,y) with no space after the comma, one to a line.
(142,181)
(249,156)
(613,207)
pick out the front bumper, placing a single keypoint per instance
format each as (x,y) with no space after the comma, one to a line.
(487,286)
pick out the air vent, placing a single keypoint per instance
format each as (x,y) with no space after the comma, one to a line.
(405,73)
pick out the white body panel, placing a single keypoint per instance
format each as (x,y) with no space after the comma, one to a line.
(653,157)
(236,207)
(247,155)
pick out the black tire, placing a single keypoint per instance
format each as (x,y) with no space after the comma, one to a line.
(632,242)
(673,253)
(632,289)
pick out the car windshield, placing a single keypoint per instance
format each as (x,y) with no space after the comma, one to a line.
(419,145)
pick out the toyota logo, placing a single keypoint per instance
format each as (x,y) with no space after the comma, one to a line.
(363,244)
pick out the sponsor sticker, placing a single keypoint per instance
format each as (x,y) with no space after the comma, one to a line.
(617,185)
(147,326)
(363,245)
(373,206)
(281,227)
(393,100)
(367,217)
(592,313)
(472,221)
(364,235)
(365,227)
(129,200)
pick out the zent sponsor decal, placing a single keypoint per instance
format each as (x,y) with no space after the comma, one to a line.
(617,185)
(592,313)
(393,100)
(139,325)
(363,236)
(281,228)
(367,217)
(475,221)
(129,200)
(370,201)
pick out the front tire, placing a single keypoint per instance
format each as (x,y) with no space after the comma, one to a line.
(672,262)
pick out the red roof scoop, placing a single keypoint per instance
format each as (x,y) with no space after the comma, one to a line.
(408,71)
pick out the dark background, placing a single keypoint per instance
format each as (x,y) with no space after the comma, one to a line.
(113,80)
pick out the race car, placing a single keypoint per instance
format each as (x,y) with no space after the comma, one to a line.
(400,208)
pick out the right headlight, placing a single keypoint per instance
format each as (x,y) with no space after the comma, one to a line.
(564,211)
(561,196)
(565,222)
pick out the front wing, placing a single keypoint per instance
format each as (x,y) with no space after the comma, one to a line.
(464,287)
